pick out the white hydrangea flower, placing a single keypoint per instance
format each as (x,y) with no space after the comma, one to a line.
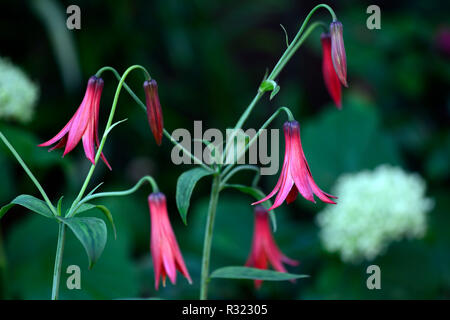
(18,95)
(374,208)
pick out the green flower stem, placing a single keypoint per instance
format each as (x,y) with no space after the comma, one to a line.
(256,136)
(144,108)
(209,229)
(241,121)
(28,172)
(58,260)
(148,179)
(292,49)
(287,55)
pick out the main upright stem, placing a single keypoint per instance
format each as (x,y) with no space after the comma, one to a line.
(58,260)
(215,188)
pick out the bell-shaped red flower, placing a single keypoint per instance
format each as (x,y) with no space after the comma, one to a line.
(154,112)
(295,175)
(329,74)
(166,254)
(264,249)
(83,125)
(338,51)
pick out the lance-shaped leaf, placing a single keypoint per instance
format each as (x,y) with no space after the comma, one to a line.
(185,185)
(31,203)
(254,274)
(92,234)
(88,206)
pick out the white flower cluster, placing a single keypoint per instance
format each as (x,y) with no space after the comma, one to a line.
(374,208)
(18,95)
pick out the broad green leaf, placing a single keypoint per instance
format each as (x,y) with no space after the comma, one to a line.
(258,195)
(254,274)
(114,275)
(185,185)
(88,206)
(31,203)
(92,234)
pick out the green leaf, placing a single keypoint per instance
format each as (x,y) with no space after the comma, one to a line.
(185,185)
(258,195)
(92,234)
(115,274)
(254,274)
(103,209)
(274,92)
(108,216)
(5,209)
(58,206)
(285,35)
(267,85)
(115,124)
(31,203)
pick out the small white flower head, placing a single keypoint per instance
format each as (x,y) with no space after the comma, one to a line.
(374,209)
(18,95)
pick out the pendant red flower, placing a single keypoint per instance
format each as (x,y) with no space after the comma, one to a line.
(83,125)
(166,254)
(295,175)
(329,74)
(264,249)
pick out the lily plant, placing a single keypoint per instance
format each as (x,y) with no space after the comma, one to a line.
(295,177)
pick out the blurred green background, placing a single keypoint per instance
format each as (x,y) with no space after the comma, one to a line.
(208,58)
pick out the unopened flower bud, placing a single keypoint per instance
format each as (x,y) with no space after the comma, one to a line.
(338,51)
(154,112)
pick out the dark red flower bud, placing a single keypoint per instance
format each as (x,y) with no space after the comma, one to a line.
(154,112)
(329,74)
(338,51)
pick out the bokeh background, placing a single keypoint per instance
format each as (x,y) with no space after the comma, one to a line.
(208,58)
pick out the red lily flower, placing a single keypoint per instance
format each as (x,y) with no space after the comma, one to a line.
(338,51)
(329,74)
(164,247)
(83,125)
(295,175)
(154,112)
(264,249)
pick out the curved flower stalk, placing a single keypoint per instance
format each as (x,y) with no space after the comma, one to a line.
(295,175)
(167,258)
(83,125)
(264,249)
